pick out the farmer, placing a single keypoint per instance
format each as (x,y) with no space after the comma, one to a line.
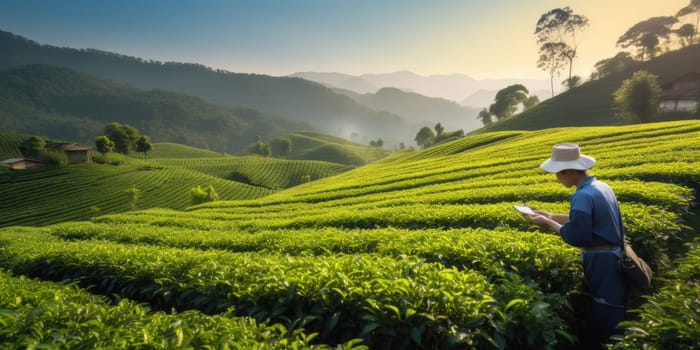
(593,225)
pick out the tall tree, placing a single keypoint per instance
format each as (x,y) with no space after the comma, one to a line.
(507,100)
(638,97)
(439,129)
(485,116)
(559,26)
(646,35)
(692,8)
(685,33)
(260,148)
(550,61)
(124,136)
(143,145)
(425,137)
(104,145)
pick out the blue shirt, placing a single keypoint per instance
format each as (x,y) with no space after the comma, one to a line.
(594,218)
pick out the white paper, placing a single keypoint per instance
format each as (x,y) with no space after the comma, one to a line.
(524,209)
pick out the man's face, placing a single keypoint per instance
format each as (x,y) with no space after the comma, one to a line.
(567,177)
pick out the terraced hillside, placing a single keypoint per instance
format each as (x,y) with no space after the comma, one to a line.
(80,191)
(416,250)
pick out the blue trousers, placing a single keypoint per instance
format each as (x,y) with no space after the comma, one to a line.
(607,286)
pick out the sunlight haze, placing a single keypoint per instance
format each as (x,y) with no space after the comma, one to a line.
(482,39)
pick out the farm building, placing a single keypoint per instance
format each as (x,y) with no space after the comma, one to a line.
(75,152)
(22,163)
(681,94)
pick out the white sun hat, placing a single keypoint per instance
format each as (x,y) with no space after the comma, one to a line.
(567,156)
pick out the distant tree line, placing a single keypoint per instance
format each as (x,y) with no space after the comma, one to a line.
(278,147)
(426,137)
(122,138)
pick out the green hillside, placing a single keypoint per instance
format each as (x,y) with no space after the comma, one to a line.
(176,150)
(9,145)
(269,173)
(294,99)
(63,104)
(592,103)
(312,145)
(39,197)
(416,250)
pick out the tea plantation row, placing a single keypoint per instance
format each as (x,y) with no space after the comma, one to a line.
(417,250)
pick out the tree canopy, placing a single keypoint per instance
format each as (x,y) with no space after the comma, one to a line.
(646,35)
(104,145)
(556,34)
(424,137)
(143,145)
(507,100)
(124,136)
(692,8)
(638,97)
(615,64)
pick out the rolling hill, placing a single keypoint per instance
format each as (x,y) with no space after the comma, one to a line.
(592,103)
(418,249)
(418,109)
(311,145)
(295,99)
(60,103)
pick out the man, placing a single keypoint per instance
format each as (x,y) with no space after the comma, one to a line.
(594,225)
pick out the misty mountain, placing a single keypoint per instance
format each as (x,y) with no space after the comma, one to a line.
(455,87)
(63,104)
(292,98)
(418,109)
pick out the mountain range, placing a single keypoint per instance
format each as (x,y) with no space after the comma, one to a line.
(460,88)
(295,99)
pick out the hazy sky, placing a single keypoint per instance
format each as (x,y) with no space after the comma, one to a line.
(480,38)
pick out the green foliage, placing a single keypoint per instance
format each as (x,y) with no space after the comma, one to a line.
(104,145)
(424,137)
(638,97)
(143,145)
(175,150)
(64,104)
(10,145)
(55,158)
(309,145)
(33,147)
(417,250)
(195,119)
(36,314)
(507,100)
(200,195)
(260,148)
(133,194)
(670,317)
(591,104)
(124,137)
(281,147)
